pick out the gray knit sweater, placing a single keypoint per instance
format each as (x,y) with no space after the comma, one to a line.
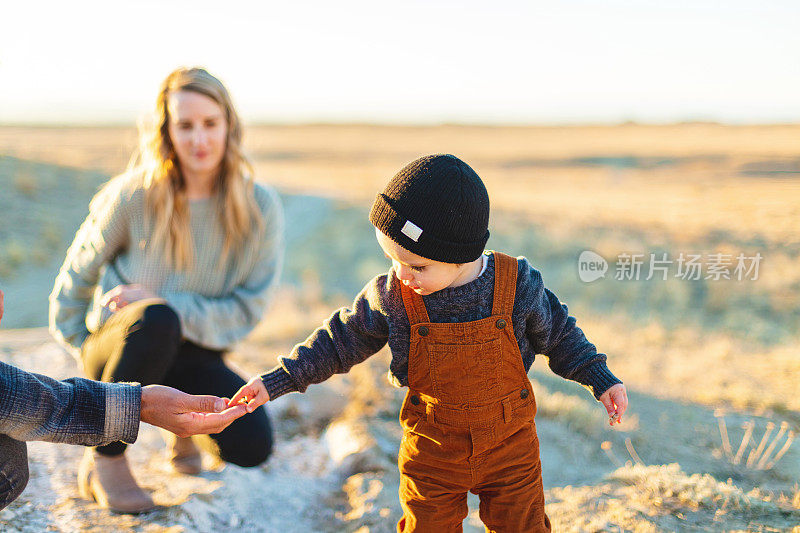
(541,325)
(218,304)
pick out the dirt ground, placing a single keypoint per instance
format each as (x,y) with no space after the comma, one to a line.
(334,467)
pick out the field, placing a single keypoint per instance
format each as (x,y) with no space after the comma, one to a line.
(697,353)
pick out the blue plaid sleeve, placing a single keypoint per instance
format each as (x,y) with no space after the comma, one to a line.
(72,411)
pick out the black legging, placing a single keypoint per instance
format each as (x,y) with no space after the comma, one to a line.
(142,342)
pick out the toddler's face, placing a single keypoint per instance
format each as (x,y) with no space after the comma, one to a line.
(423,276)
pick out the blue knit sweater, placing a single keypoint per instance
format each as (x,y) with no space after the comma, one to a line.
(542,324)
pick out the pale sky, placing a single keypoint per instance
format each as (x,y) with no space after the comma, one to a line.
(413,61)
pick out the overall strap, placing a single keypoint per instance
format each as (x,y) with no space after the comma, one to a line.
(505,284)
(415,307)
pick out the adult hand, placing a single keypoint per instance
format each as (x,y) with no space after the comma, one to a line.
(253,394)
(122,295)
(185,414)
(615,400)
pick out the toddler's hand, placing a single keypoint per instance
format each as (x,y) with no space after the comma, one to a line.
(254,394)
(615,399)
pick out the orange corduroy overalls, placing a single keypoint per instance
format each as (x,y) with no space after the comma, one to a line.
(468,421)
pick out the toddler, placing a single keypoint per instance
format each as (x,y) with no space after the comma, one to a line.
(463,326)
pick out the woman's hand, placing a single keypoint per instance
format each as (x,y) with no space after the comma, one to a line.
(253,394)
(615,400)
(122,295)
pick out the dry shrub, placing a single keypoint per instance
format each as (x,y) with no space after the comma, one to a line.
(25,182)
(668,487)
(758,450)
(663,498)
(12,255)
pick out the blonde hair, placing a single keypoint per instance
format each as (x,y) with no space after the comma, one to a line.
(157,163)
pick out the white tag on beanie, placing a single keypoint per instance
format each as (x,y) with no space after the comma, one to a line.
(411,230)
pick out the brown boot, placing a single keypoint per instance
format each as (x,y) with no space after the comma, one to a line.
(184,455)
(109,481)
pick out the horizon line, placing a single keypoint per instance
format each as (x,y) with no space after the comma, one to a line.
(423,124)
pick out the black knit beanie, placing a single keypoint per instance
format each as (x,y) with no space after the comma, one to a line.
(436,207)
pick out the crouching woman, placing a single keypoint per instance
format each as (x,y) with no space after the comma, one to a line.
(174,264)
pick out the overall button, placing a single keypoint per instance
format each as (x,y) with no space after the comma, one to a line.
(523,393)
(423,331)
(415,400)
(500,323)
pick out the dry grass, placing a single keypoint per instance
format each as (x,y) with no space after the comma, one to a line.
(681,180)
(692,365)
(12,255)
(104,149)
(679,188)
(642,498)
(556,191)
(757,450)
(669,487)
(579,413)
(294,313)
(702,188)
(26,183)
